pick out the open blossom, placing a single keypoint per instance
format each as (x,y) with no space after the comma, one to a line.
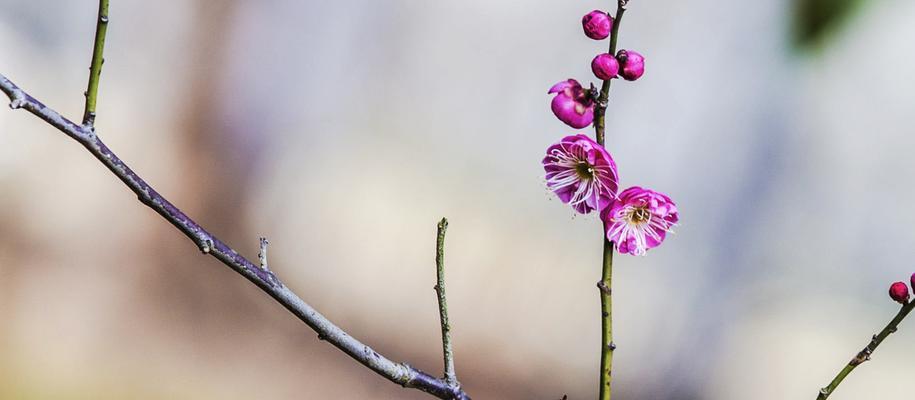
(582,173)
(572,104)
(639,220)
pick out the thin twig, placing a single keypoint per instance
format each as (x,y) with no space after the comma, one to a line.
(865,354)
(607,346)
(262,255)
(606,283)
(600,110)
(266,280)
(448,351)
(95,68)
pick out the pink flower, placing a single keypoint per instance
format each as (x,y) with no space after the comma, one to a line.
(899,292)
(639,220)
(582,173)
(632,63)
(572,104)
(605,66)
(597,24)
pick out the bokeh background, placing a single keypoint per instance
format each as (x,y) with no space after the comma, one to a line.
(344,130)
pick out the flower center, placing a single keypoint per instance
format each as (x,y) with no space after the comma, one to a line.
(584,170)
(639,216)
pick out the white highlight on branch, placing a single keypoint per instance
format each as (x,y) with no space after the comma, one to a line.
(262,256)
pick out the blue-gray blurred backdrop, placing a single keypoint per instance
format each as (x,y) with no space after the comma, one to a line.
(343,130)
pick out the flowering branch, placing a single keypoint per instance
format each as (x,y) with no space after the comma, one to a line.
(447,350)
(95,68)
(605,284)
(583,174)
(600,111)
(261,276)
(898,292)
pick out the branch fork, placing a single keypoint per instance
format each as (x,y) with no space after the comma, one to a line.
(447,349)
(402,374)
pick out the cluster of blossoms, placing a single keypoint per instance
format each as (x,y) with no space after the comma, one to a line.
(583,174)
(899,291)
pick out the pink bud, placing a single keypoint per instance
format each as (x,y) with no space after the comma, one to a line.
(605,66)
(899,292)
(633,64)
(912,280)
(597,24)
(572,104)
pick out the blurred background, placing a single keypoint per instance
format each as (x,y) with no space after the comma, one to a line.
(344,130)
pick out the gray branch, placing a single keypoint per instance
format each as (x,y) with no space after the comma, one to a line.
(262,255)
(399,373)
(447,349)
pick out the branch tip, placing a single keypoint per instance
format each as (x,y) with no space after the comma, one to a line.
(262,255)
(447,349)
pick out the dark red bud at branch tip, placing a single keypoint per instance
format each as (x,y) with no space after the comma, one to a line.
(912,281)
(597,24)
(899,292)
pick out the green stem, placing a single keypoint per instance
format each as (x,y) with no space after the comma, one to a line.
(606,308)
(605,284)
(600,110)
(95,69)
(865,354)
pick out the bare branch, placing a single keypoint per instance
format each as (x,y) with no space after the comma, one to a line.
(450,376)
(399,373)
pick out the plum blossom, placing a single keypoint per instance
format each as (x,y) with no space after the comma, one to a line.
(582,173)
(605,66)
(639,219)
(899,292)
(597,24)
(572,104)
(632,64)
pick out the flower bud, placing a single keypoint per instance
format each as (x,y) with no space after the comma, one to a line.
(572,104)
(605,66)
(912,280)
(899,292)
(597,24)
(632,63)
